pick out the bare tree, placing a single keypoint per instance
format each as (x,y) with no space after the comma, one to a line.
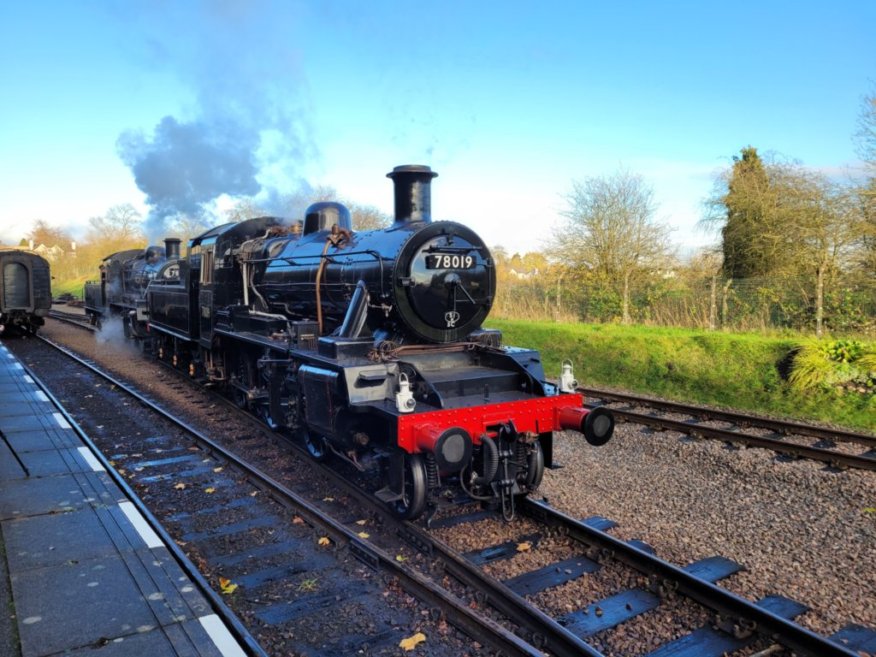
(121,223)
(44,233)
(610,231)
(865,137)
(825,222)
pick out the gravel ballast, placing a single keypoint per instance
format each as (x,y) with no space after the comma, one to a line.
(799,529)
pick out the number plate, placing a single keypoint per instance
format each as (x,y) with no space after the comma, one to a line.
(450,261)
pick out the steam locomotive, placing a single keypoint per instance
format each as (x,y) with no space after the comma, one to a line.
(25,291)
(370,347)
(121,289)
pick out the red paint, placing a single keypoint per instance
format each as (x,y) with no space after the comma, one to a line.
(536,415)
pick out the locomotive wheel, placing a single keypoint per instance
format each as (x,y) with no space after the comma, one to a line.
(535,466)
(238,396)
(413,499)
(315,446)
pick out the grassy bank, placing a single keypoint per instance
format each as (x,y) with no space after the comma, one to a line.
(72,286)
(742,371)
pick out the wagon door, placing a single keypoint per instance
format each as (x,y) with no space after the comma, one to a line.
(16,286)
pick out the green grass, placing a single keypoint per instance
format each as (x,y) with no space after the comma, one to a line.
(73,286)
(735,370)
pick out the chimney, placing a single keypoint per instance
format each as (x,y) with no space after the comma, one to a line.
(171,248)
(413,193)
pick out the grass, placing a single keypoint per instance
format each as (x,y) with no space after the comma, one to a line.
(72,286)
(736,370)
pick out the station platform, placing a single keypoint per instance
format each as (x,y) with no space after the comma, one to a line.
(84,572)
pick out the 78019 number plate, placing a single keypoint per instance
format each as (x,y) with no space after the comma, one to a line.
(450,261)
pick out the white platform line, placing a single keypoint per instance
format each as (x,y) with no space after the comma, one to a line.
(91,460)
(227,644)
(149,537)
(28,379)
(17,366)
(41,396)
(62,421)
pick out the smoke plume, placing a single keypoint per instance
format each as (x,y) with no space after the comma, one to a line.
(246,133)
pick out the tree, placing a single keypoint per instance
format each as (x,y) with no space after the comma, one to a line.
(826,224)
(865,139)
(43,233)
(121,225)
(243,209)
(367,217)
(610,232)
(752,237)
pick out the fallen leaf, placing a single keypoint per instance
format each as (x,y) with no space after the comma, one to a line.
(400,558)
(254,493)
(219,469)
(328,499)
(870,509)
(210,490)
(180,486)
(526,546)
(297,520)
(363,535)
(227,587)
(412,641)
(361,522)
(324,540)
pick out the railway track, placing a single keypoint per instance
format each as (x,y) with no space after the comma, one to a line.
(312,561)
(581,548)
(791,439)
(76,319)
(787,438)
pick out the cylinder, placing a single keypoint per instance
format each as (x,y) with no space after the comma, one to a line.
(413,192)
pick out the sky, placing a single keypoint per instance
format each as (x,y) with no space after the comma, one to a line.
(172,104)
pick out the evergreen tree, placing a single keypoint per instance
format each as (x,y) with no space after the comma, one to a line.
(747,236)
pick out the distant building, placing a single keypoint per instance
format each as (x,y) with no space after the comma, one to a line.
(54,252)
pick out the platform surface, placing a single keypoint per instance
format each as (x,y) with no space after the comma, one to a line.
(84,572)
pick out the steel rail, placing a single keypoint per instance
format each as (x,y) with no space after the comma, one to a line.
(216,603)
(72,318)
(546,632)
(829,456)
(741,419)
(474,625)
(722,601)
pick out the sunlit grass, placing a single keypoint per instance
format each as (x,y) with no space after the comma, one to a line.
(740,370)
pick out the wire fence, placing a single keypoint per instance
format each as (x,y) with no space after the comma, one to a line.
(848,305)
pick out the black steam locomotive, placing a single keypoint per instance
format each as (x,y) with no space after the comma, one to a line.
(370,346)
(25,291)
(121,290)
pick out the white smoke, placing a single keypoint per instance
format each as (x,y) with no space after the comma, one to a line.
(246,133)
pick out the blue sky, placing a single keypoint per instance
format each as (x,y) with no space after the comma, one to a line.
(168,102)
